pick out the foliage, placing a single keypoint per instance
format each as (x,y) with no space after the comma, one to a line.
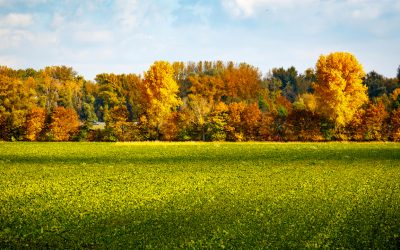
(303,125)
(35,123)
(339,90)
(216,129)
(205,100)
(376,84)
(16,98)
(395,124)
(64,124)
(159,93)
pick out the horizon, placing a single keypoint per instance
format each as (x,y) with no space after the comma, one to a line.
(127,36)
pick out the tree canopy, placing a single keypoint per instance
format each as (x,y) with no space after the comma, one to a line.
(339,88)
(206,100)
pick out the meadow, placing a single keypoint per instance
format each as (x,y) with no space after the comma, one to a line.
(199,195)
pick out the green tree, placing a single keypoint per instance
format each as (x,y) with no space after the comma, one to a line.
(376,84)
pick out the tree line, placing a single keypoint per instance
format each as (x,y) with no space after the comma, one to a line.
(208,101)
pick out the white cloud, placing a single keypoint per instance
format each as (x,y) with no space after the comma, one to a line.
(128,13)
(354,9)
(132,14)
(16,20)
(19,38)
(58,21)
(248,8)
(13,38)
(93,36)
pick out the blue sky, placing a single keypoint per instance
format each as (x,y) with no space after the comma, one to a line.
(127,36)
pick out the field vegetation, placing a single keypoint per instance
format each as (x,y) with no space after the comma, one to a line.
(199,195)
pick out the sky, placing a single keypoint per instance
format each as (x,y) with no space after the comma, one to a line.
(127,36)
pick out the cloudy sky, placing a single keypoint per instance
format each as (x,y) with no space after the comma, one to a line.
(127,36)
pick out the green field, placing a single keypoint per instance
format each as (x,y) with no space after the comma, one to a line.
(199,195)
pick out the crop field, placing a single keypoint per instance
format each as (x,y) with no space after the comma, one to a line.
(199,195)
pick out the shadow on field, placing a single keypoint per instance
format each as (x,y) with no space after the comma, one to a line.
(161,158)
(230,224)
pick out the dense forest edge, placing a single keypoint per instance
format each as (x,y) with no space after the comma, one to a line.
(203,101)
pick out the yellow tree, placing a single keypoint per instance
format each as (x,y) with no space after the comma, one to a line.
(339,90)
(159,93)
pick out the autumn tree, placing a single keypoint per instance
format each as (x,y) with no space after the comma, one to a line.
(216,127)
(64,124)
(199,109)
(339,90)
(169,127)
(356,127)
(58,86)
(307,102)
(267,127)
(17,97)
(209,87)
(303,125)
(234,126)
(251,121)
(118,124)
(395,125)
(395,96)
(375,118)
(242,82)
(35,123)
(159,94)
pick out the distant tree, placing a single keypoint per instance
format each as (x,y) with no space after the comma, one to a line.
(395,125)
(339,90)
(398,74)
(395,96)
(307,102)
(356,127)
(251,121)
(289,81)
(118,124)
(169,128)
(216,127)
(17,97)
(242,82)
(234,126)
(199,108)
(35,123)
(391,84)
(64,124)
(374,119)
(159,94)
(376,84)
(87,108)
(267,127)
(303,125)
(209,87)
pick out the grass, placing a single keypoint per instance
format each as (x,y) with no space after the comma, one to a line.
(199,195)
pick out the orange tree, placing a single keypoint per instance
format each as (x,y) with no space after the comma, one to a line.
(64,124)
